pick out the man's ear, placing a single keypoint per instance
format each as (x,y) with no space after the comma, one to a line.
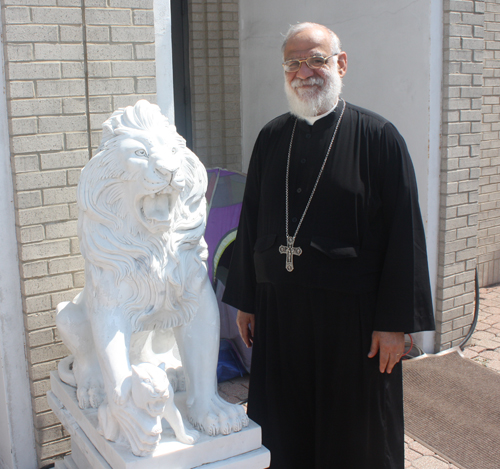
(342,64)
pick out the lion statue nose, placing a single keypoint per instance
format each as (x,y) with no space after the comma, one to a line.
(166,170)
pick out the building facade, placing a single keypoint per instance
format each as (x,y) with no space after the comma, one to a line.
(67,64)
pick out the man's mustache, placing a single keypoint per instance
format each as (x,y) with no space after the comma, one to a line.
(299,82)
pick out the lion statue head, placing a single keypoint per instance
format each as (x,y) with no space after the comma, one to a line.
(143,214)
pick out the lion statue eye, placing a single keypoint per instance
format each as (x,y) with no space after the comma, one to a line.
(141,153)
(174,150)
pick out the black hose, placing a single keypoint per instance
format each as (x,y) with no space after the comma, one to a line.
(476,314)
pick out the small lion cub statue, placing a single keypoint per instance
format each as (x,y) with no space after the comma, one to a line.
(152,392)
(142,217)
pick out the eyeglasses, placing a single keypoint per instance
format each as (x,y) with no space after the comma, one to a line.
(312,62)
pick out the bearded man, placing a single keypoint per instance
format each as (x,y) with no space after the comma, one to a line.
(329,270)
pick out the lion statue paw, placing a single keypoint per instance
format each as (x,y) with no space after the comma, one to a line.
(217,417)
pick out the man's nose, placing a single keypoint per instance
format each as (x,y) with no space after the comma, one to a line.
(304,71)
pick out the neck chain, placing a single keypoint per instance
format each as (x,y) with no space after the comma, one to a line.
(289,249)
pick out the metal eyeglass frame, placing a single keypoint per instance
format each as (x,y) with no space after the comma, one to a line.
(325,59)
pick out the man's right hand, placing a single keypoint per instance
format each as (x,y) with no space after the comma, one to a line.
(246,326)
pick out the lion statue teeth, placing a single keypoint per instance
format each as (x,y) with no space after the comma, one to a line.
(142,216)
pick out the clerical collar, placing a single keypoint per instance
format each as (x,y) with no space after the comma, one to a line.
(312,120)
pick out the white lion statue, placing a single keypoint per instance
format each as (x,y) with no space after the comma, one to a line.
(142,216)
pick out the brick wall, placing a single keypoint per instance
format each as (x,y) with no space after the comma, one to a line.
(63,81)
(215,82)
(463,46)
(489,188)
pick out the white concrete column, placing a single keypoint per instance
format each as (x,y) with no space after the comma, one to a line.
(17,436)
(163,55)
(426,339)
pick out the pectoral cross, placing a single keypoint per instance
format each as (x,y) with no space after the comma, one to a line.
(290,251)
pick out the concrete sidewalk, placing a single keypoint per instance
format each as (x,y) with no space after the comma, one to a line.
(484,348)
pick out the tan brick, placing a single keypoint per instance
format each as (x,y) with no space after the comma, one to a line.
(35,107)
(132,34)
(62,124)
(23,164)
(111,86)
(71,33)
(32,234)
(24,126)
(40,404)
(60,88)
(46,435)
(43,318)
(74,176)
(69,159)
(131,4)
(68,295)
(45,250)
(33,70)
(99,69)
(35,33)
(30,144)
(42,370)
(75,140)
(79,279)
(51,450)
(59,196)
(143,17)
(33,180)
(109,52)
(58,51)
(144,51)
(75,246)
(48,284)
(108,16)
(130,100)
(17,15)
(61,230)
(46,419)
(48,353)
(40,337)
(74,105)
(133,69)
(98,34)
(146,85)
(57,15)
(21,89)
(28,199)
(66,264)
(34,269)
(73,211)
(72,70)
(19,52)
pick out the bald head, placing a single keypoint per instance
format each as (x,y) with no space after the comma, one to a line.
(317,32)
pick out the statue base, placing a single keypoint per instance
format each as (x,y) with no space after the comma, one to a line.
(241,450)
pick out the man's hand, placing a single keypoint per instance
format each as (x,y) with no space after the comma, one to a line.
(246,326)
(390,345)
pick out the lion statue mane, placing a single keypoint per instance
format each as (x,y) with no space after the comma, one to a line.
(142,217)
(114,239)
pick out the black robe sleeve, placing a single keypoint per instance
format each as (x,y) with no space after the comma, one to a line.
(241,282)
(404,295)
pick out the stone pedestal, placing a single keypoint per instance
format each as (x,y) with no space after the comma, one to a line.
(242,450)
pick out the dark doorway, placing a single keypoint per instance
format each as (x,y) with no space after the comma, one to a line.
(180,63)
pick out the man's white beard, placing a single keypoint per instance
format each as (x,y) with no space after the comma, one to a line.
(311,102)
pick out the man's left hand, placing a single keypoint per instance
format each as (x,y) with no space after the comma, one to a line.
(390,346)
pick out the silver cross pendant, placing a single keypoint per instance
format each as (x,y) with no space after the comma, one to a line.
(290,251)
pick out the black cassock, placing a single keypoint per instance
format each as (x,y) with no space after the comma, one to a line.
(321,402)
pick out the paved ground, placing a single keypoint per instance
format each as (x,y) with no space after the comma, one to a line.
(484,347)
